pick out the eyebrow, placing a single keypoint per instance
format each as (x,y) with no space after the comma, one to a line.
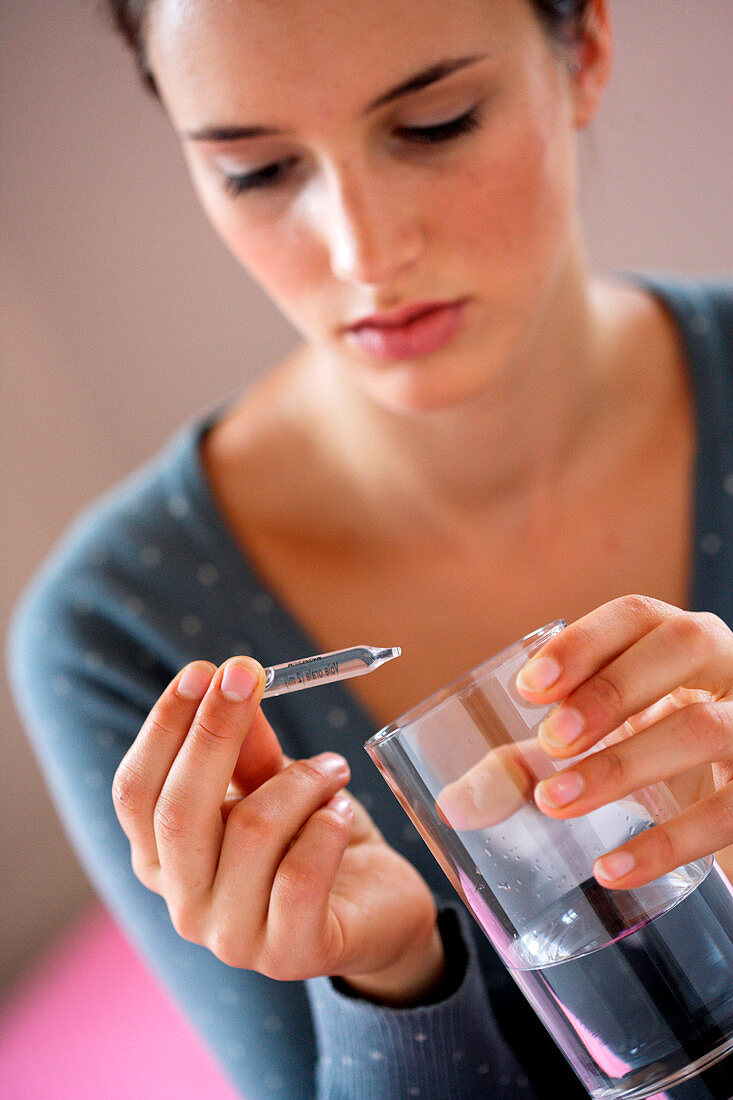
(415,83)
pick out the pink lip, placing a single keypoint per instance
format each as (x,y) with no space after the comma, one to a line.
(410,332)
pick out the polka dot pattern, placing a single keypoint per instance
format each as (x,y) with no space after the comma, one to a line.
(151,556)
(61,686)
(263,603)
(228,995)
(187,595)
(178,506)
(190,625)
(711,543)
(207,575)
(337,718)
(94,778)
(700,324)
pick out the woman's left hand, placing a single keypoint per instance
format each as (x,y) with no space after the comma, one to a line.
(655,684)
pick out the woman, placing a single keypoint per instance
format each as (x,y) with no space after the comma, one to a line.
(475,436)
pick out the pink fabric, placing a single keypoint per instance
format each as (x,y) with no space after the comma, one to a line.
(89,1023)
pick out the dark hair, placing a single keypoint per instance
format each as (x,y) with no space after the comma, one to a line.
(561,19)
(129,17)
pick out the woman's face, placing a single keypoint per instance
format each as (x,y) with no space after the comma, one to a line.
(364,158)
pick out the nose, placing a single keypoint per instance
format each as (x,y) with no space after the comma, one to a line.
(372,234)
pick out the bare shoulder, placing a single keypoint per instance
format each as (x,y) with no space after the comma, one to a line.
(646,373)
(640,328)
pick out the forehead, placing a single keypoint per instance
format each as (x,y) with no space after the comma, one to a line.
(228,60)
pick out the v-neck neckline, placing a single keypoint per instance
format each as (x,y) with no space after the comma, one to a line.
(286,637)
(282,636)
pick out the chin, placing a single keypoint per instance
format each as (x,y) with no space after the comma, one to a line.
(414,389)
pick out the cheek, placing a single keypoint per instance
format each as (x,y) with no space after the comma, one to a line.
(522,197)
(277,259)
(280,258)
(276,256)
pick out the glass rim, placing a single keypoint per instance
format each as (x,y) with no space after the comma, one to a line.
(530,642)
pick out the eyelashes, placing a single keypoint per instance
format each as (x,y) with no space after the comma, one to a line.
(268,176)
(272,174)
(442,131)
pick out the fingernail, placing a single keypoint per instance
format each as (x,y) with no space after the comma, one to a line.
(194,682)
(560,789)
(330,763)
(539,674)
(562,727)
(448,806)
(614,866)
(341,804)
(456,805)
(239,680)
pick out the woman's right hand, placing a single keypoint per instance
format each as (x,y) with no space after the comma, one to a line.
(268,862)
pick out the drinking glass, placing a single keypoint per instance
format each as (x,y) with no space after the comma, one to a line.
(635,986)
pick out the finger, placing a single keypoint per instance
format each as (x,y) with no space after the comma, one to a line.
(143,770)
(684,650)
(701,733)
(649,716)
(187,818)
(584,647)
(238,790)
(261,828)
(303,885)
(494,788)
(701,830)
(260,756)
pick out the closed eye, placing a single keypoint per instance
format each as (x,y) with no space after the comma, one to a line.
(442,131)
(268,176)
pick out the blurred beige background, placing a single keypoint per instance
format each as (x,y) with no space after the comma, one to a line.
(121,315)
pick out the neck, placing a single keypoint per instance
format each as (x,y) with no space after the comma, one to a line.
(508,445)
